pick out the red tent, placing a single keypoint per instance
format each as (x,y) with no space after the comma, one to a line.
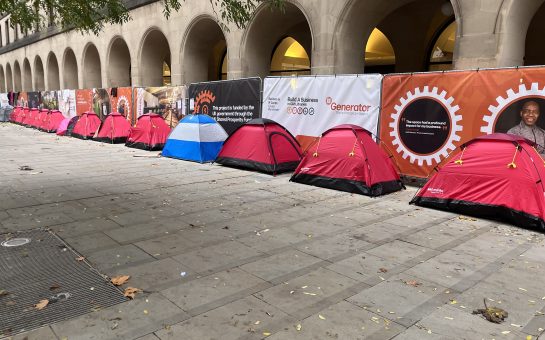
(16,115)
(114,129)
(87,126)
(54,119)
(31,115)
(347,158)
(262,145)
(493,176)
(42,119)
(150,133)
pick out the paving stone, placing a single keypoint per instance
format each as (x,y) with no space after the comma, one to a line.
(300,295)
(279,265)
(329,247)
(84,226)
(118,256)
(152,275)
(88,242)
(267,239)
(488,246)
(378,232)
(363,267)
(341,321)
(401,297)
(448,268)
(210,289)
(167,245)
(439,235)
(248,316)
(44,333)
(419,332)
(125,321)
(398,251)
(520,276)
(146,230)
(149,337)
(229,253)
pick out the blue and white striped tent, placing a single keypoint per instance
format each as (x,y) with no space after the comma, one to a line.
(197,138)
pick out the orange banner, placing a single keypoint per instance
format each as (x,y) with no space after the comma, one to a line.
(425,117)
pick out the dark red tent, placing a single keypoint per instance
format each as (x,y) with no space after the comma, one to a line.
(347,158)
(262,145)
(16,115)
(87,125)
(54,119)
(114,129)
(150,133)
(32,117)
(42,119)
(498,176)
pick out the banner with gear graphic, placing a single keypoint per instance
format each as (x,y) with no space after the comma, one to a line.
(426,116)
(230,102)
(308,106)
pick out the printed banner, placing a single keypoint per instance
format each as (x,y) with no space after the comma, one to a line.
(84,101)
(67,102)
(4,100)
(50,100)
(121,101)
(308,106)
(426,116)
(230,102)
(167,101)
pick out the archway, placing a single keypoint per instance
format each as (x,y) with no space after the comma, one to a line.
(27,76)
(379,54)
(2,80)
(39,82)
(290,59)
(17,77)
(119,64)
(411,27)
(203,51)
(442,48)
(9,78)
(70,70)
(155,59)
(53,75)
(92,75)
(268,31)
(534,49)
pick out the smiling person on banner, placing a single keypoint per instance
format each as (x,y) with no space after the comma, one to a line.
(527,127)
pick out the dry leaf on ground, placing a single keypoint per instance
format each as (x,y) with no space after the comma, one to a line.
(81,258)
(119,280)
(130,292)
(54,286)
(413,283)
(42,304)
(3,292)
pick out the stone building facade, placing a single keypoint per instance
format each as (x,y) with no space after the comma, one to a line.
(324,37)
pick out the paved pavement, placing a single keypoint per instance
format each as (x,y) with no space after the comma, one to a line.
(263,257)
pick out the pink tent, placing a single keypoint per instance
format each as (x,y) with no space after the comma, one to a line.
(63,126)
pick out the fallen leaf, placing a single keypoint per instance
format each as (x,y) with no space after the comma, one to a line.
(321,316)
(298,327)
(3,292)
(505,332)
(42,304)
(257,322)
(383,270)
(119,280)
(524,290)
(311,294)
(449,318)
(453,302)
(130,292)
(266,333)
(413,283)
(54,286)
(79,259)
(529,337)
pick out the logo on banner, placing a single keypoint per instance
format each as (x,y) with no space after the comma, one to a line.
(355,108)
(506,113)
(425,126)
(204,101)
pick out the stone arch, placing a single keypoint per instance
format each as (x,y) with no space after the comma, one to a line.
(119,63)
(39,76)
(2,80)
(534,51)
(9,78)
(267,29)
(27,76)
(155,58)
(410,25)
(92,70)
(17,86)
(53,74)
(70,70)
(203,49)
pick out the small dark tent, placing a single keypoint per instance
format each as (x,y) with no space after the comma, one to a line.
(347,158)
(150,133)
(262,145)
(498,176)
(114,129)
(86,126)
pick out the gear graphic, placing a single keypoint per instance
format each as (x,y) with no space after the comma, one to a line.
(512,96)
(454,118)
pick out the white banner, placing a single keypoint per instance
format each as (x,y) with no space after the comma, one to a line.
(308,106)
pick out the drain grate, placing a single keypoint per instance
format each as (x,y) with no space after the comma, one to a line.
(37,265)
